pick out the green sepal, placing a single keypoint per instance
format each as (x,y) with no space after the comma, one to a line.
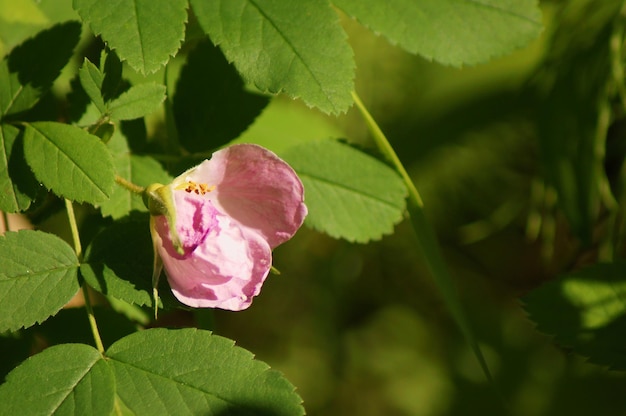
(159,200)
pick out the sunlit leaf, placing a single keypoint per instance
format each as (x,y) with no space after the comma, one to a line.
(91,80)
(139,101)
(295,47)
(145,33)
(454,32)
(190,372)
(349,194)
(585,311)
(69,161)
(38,275)
(68,379)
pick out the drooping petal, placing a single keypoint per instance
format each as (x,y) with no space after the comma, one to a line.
(225,272)
(256,188)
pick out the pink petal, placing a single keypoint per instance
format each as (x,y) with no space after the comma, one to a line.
(226,271)
(256,188)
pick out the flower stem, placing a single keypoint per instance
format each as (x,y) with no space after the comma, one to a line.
(79,253)
(129,185)
(426,236)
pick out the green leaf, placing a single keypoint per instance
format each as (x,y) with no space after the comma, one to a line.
(38,275)
(91,80)
(139,101)
(118,262)
(211,107)
(17,183)
(294,47)
(349,194)
(585,311)
(140,170)
(69,379)
(145,33)
(190,372)
(29,70)
(69,161)
(454,32)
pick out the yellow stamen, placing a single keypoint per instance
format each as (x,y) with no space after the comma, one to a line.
(197,188)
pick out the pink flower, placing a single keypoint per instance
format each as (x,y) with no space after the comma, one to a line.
(229,213)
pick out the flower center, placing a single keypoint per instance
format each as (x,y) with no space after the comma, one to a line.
(196,188)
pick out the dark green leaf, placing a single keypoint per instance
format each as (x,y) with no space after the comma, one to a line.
(454,32)
(211,106)
(118,262)
(296,47)
(17,183)
(69,379)
(143,32)
(585,311)
(29,70)
(191,372)
(69,161)
(139,101)
(38,275)
(349,194)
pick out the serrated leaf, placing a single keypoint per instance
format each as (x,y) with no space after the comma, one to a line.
(38,275)
(145,33)
(91,80)
(29,70)
(190,372)
(297,48)
(118,263)
(585,311)
(69,379)
(139,101)
(211,107)
(140,170)
(349,194)
(453,32)
(69,161)
(17,183)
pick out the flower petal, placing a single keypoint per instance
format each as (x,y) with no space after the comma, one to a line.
(256,188)
(226,271)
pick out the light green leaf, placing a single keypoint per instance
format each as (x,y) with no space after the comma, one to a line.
(585,311)
(119,260)
(296,47)
(349,194)
(140,100)
(38,275)
(29,70)
(17,183)
(91,80)
(191,372)
(69,161)
(140,170)
(68,379)
(454,32)
(145,33)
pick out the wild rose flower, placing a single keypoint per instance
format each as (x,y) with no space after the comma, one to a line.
(228,213)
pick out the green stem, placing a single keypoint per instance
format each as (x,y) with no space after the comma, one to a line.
(129,185)
(79,253)
(426,235)
(5,219)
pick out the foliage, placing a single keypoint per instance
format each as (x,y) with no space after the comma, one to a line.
(101,99)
